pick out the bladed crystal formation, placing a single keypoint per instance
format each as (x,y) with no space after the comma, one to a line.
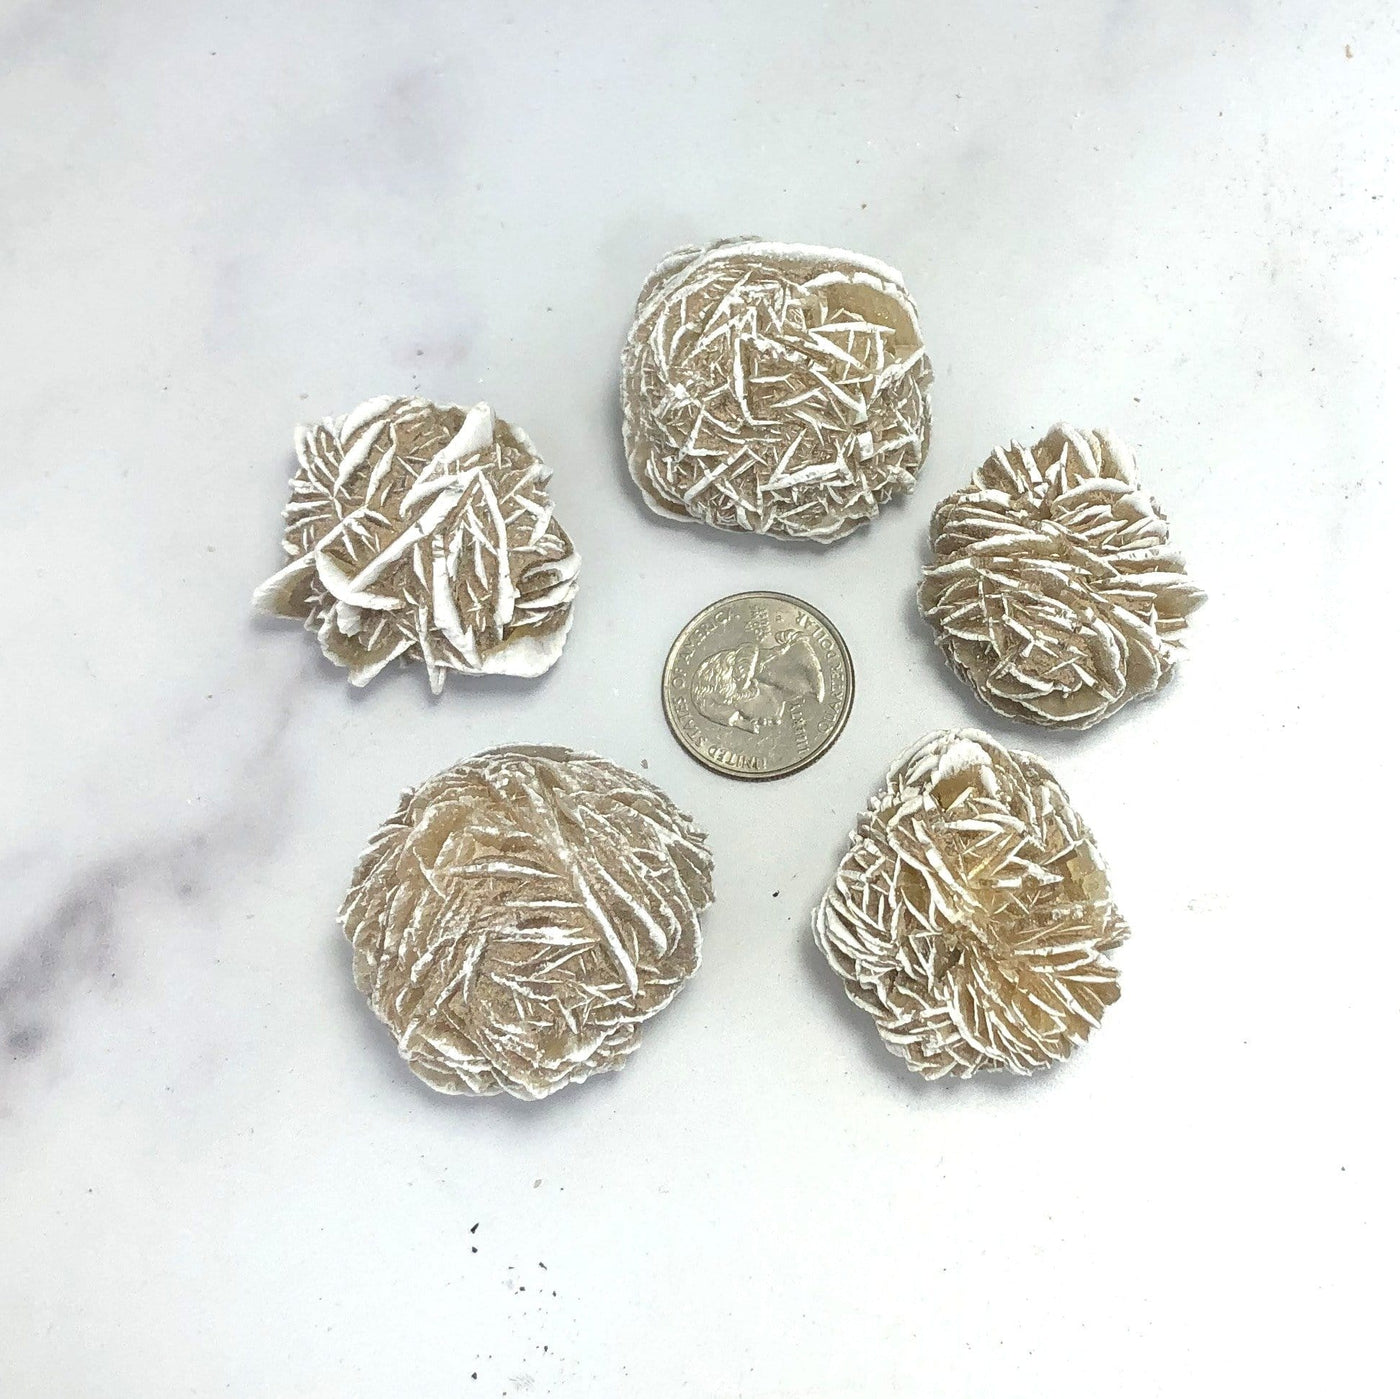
(1053,589)
(521,914)
(774,387)
(971,915)
(424,531)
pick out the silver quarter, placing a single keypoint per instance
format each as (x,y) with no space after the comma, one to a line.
(757,685)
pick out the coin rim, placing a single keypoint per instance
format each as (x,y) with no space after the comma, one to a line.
(816,753)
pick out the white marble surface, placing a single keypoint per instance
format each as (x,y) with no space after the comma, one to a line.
(215,1178)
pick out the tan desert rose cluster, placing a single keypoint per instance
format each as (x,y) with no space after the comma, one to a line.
(424,531)
(521,914)
(774,387)
(971,915)
(1053,588)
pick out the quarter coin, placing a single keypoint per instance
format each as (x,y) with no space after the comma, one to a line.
(758,685)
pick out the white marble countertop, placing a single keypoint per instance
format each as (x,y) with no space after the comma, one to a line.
(1177,220)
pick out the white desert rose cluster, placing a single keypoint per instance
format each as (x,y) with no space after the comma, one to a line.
(971,915)
(1053,589)
(424,531)
(521,914)
(774,387)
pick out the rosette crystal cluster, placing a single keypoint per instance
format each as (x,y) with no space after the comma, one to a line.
(424,531)
(521,914)
(774,387)
(1053,588)
(971,915)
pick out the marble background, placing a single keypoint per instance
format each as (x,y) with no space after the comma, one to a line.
(1177,220)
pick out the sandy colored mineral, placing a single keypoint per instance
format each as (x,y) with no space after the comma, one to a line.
(424,531)
(1053,589)
(774,387)
(971,915)
(521,914)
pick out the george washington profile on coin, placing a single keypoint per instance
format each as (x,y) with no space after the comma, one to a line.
(751,686)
